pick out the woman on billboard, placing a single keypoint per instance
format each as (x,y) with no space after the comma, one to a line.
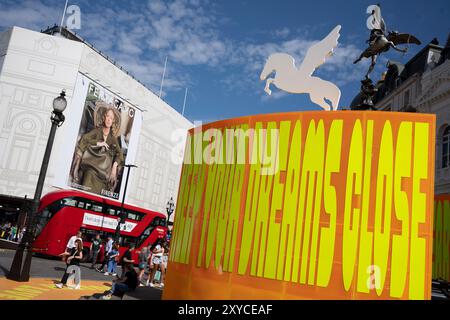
(98,153)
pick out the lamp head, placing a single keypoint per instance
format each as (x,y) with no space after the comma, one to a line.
(60,102)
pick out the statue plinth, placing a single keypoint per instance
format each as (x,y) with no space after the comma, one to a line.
(368,92)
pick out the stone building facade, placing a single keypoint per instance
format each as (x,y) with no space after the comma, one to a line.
(34,68)
(422,85)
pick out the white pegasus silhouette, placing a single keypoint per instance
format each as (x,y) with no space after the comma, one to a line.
(293,80)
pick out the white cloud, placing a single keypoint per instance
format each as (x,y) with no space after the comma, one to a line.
(339,68)
(189,34)
(32,14)
(282,33)
(139,38)
(157,7)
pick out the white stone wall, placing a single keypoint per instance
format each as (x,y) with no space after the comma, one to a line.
(35,68)
(435,98)
(4,42)
(429,93)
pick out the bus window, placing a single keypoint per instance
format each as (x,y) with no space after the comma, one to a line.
(42,220)
(159,222)
(144,235)
(127,241)
(69,202)
(97,208)
(44,216)
(111,212)
(88,235)
(88,206)
(133,215)
(80,204)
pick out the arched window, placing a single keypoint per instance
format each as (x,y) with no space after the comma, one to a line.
(446,148)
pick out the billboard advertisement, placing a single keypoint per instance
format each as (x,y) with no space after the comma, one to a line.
(103,140)
(306,205)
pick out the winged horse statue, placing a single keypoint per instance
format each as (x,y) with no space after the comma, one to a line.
(291,79)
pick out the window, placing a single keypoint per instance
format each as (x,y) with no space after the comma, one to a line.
(127,241)
(445,148)
(145,235)
(88,235)
(157,221)
(68,202)
(97,208)
(82,204)
(111,212)
(157,185)
(45,215)
(406,99)
(131,216)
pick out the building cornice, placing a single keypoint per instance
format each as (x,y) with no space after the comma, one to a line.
(427,98)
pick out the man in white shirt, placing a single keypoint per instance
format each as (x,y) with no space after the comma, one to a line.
(71,244)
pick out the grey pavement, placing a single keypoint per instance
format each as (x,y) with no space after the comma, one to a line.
(51,268)
(43,267)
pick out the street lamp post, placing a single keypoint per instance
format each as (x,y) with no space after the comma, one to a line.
(122,213)
(20,270)
(169,209)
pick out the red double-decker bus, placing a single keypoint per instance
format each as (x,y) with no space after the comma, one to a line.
(62,213)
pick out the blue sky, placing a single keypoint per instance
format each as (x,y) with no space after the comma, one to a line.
(217,49)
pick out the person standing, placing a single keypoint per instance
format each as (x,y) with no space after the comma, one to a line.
(96,245)
(7,231)
(155,261)
(143,258)
(12,235)
(107,251)
(127,258)
(112,260)
(73,260)
(21,233)
(165,260)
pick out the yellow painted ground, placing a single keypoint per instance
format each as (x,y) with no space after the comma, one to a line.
(44,289)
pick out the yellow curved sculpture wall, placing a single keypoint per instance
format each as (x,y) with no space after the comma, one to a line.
(307,205)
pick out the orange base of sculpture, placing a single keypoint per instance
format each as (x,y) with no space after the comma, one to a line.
(306,205)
